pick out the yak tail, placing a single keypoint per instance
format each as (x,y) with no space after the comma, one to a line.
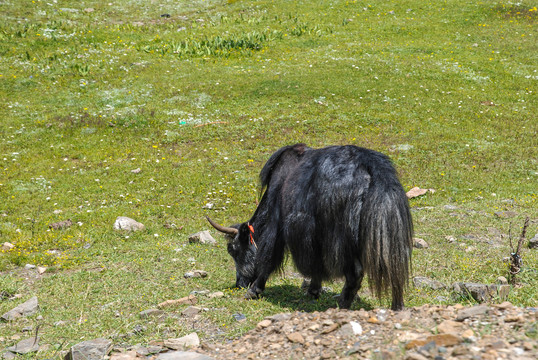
(386,233)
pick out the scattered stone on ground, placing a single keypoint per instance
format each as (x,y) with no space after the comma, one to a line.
(183,355)
(428,332)
(191,300)
(90,350)
(25,346)
(533,243)
(482,292)
(126,223)
(61,225)
(216,294)
(41,270)
(416,191)
(441,332)
(187,341)
(7,246)
(424,282)
(420,243)
(202,237)
(195,274)
(191,311)
(136,171)
(151,313)
(28,308)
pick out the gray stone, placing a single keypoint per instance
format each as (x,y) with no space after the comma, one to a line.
(183,355)
(482,292)
(239,317)
(28,308)
(61,225)
(202,237)
(184,342)
(420,243)
(195,274)
(95,349)
(151,313)
(8,355)
(533,243)
(424,282)
(470,312)
(216,294)
(25,346)
(125,223)
(191,311)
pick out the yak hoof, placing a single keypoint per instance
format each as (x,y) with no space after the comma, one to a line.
(315,293)
(251,295)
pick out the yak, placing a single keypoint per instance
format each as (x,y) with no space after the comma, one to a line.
(340,211)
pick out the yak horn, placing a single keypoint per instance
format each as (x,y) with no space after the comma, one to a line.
(223,229)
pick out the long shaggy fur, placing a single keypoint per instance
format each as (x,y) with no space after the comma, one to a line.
(340,211)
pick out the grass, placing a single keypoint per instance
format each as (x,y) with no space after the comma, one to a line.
(199,100)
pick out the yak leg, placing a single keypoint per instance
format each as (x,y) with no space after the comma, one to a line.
(397,298)
(354,275)
(269,257)
(314,289)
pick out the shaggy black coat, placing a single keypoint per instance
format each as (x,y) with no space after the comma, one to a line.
(340,211)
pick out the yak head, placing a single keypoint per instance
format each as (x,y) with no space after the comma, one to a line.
(242,251)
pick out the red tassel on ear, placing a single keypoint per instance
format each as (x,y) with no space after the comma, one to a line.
(251,228)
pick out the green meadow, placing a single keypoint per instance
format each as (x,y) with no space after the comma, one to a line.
(197,95)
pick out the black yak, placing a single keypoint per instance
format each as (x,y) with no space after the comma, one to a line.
(340,211)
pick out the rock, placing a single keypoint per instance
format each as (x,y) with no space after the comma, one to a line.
(416,191)
(29,266)
(7,246)
(264,323)
(191,300)
(8,355)
(125,223)
(129,355)
(357,328)
(61,225)
(95,349)
(449,327)
(184,342)
(26,309)
(41,270)
(215,295)
(533,243)
(481,292)
(136,171)
(195,274)
(202,237)
(330,328)
(505,214)
(25,346)
(420,243)
(191,311)
(151,313)
(471,312)
(182,355)
(424,282)
(280,317)
(501,280)
(296,337)
(239,317)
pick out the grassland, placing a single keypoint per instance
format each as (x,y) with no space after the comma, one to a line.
(198,94)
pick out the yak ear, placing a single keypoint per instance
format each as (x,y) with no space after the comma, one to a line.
(244,233)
